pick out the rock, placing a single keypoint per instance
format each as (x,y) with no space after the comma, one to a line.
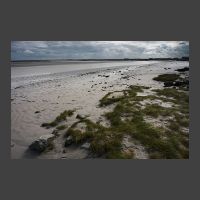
(85,145)
(168,84)
(37,111)
(55,132)
(42,143)
(38,145)
(18,87)
(178,83)
(183,69)
(181,83)
(68,141)
(81,116)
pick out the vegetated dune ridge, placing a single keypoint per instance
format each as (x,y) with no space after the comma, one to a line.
(41,96)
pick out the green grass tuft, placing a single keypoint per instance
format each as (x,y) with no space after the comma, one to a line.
(62,117)
(61,127)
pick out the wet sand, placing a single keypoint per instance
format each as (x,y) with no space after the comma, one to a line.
(80,89)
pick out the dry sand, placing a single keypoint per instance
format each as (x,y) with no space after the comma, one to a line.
(81,91)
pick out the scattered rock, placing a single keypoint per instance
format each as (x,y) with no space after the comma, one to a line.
(68,141)
(81,116)
(181,83)
(168,84)
(55,132)
(85,146)
(64,151)
(176,83)
(19,87)
(42,143)
(183,69)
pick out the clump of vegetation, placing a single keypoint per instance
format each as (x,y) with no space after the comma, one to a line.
(167,77)
(160,142)
(51,124)
(180,98)
(174,93)
(131,92)
(106,100)
(60,118)
(61,127)
(63,115)
(182,120)
(155,110)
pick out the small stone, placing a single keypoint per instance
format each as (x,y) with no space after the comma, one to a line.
(64,151)
(68,141)
(85,145)
(55,132)
(168,84)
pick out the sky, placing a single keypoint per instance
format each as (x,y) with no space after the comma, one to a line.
(41,50)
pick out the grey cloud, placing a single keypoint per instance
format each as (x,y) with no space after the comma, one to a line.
(97,49)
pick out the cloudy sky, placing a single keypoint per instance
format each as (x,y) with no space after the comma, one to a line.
(30,50)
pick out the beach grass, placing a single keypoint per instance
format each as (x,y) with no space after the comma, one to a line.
(160,142)
(62,117)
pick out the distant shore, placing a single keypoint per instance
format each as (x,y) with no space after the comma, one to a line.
(16,63)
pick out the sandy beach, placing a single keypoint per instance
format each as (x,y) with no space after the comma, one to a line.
(40,93)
